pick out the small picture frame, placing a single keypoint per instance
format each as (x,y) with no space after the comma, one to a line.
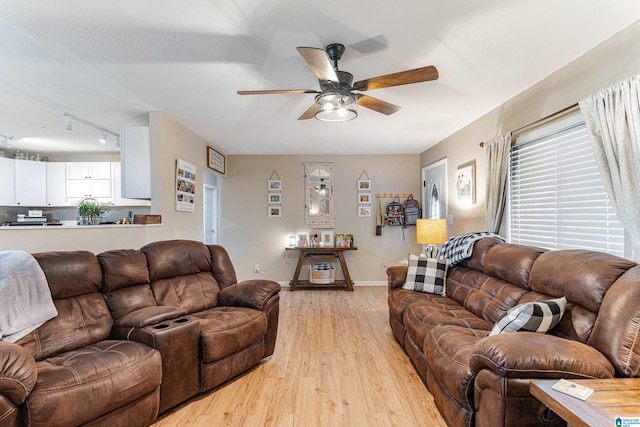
(364,198)
(314,240)
(274,198)
(364,185)
(344,240)
(364,211)
(275,185)
(275,211)
(466,183)
(326,238)
(302,241)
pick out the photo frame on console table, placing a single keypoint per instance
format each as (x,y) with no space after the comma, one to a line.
(326,238)
(216,160)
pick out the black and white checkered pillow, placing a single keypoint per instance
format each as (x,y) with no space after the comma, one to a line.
(426,275)
(539,316)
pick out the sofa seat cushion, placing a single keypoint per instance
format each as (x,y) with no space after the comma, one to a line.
(81,385)
(421,317)
(400,299)
(448,350)
(225,330)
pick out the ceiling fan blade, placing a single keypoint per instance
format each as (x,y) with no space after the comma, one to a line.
(311,112)
(275,92)
(319,63)
(417,75)
(377,105)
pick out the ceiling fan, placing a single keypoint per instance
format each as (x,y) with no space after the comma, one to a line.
(336,101)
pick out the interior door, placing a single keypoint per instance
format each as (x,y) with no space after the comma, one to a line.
(434,191)
(210,215)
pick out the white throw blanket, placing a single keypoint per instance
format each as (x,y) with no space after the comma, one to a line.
(25,299)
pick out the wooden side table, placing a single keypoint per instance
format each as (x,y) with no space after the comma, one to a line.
(612,398)
(305,253)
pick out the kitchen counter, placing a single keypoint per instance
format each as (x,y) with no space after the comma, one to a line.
(73,227)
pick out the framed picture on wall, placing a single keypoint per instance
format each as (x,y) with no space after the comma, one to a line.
(364,198)
(364,185)
(215,160)
(274,198)
(275,185)
(466,183)
(275,210)
(364,211)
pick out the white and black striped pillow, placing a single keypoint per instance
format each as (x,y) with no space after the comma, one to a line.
(426,275)
(539,316)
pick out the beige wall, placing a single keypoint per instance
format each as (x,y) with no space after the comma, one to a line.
(251,237)
(603,66)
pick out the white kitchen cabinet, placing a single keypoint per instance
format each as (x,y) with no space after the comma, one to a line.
(135,159)
(30,183)
(88,170)
(99,189)
(88,180)
(118,200)
(56,184)
(7,179)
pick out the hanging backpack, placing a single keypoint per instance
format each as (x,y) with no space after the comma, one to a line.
(394,213)
(411,211)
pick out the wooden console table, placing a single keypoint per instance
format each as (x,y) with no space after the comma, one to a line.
(612,398)
(305,253)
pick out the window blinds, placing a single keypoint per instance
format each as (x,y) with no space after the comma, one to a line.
(556,196)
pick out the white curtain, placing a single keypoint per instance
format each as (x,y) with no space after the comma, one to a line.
(613,121)
(496,165)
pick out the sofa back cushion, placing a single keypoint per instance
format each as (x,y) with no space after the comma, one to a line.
(181,274)
(616,332)
(498,284)
(83,318)
(125,281)
(584,277)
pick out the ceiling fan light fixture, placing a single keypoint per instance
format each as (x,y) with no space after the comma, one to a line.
(336,106)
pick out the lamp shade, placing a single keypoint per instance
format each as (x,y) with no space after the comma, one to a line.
(431,231)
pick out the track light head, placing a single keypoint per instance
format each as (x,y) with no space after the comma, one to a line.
(69,125)
(103,137)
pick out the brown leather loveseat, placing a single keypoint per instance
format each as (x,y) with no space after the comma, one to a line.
(481,380)
(137,332)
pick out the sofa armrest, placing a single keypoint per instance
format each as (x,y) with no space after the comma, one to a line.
(249,293)
(18,372)
(536,355)
(149,316)
(396,276)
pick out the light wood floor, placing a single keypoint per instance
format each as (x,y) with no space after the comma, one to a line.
(335,364)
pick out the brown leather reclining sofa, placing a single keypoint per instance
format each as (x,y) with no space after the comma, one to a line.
(137,332)
(481,380)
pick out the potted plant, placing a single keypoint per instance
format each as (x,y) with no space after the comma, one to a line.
(89,211)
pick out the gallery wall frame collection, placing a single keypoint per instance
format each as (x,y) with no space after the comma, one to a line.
(364,195)
(274,195)
(185,186)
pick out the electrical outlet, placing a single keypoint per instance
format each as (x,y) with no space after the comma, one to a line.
(384,265)
(256,268)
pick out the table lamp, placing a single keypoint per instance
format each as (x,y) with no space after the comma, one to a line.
(431,232)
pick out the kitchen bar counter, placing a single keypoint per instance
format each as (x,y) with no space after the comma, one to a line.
(73,227)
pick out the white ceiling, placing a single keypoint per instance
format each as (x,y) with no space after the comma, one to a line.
(110,61)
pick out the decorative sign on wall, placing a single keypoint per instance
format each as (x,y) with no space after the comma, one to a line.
(215,160)
(185,186)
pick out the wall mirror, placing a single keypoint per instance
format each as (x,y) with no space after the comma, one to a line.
(318,184)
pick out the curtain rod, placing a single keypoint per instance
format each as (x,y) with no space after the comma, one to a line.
(543,121)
